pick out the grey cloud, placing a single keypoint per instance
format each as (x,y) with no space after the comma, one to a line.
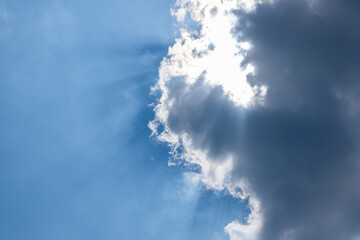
(300,150)
(302,147)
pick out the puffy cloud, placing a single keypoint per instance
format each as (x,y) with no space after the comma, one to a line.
(264,99)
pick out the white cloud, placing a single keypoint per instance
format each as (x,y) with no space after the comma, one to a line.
(284,149)
(214,56)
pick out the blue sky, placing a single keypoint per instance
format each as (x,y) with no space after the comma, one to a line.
(255,103)
(76,159)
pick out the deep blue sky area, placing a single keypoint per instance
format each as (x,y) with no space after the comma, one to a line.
(76,159)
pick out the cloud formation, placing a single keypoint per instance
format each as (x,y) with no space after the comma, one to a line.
(264,99)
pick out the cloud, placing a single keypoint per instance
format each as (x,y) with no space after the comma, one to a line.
(264,98)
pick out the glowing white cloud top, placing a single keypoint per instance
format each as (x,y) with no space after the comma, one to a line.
(214,55)
(213,50)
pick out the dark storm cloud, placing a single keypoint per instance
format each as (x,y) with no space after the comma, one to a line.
(300,150)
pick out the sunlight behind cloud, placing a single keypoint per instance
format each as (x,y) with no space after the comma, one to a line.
(213,52)
(213,56)
(213,116)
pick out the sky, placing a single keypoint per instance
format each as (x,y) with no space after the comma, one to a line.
(173,120)
(76,157)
